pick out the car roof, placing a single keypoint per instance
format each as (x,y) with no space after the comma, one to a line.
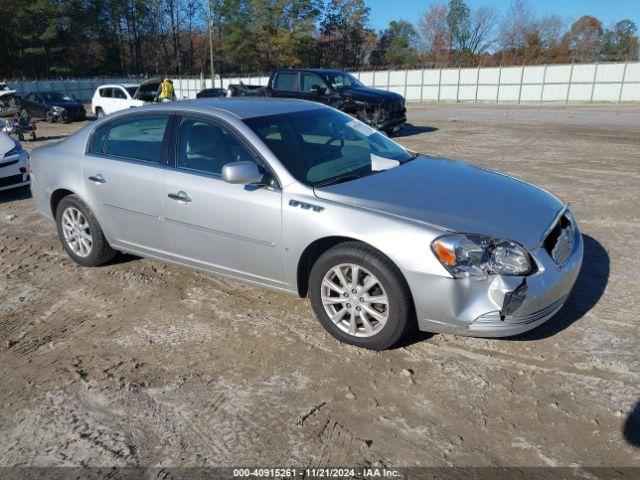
(313,70)
(244,107)
(125,85)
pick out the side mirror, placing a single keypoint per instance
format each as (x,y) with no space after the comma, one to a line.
(318,90)
(243,173)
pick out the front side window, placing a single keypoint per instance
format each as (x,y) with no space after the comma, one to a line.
(310,82)
(286,81)
(58,97)
(206,147)
(340,80)
(138,137)
(119,93)
(322,145)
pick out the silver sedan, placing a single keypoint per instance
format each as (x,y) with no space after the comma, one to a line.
(301,198)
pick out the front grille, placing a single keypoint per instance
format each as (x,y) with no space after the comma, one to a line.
(12,180)
(559,243)
(395,108)
(7,164)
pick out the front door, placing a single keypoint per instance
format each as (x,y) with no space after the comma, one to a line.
(313,88)
(230,229)
(123,174)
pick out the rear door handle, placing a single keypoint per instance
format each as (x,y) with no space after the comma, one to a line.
(97,178)
(180,196)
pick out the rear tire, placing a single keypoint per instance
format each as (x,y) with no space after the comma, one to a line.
(80,233)
(99,112)
(375,309)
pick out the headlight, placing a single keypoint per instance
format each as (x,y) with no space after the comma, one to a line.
(58,109)
(466,255)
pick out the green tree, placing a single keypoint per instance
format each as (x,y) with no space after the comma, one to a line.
(396,46)
(621,42)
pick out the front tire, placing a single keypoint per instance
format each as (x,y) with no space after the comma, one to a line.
(80,233)
(360,297)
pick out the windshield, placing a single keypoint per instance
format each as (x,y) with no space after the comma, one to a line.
(321,145)
(340,80)
(58,97)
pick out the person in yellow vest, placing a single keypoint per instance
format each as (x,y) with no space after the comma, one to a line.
(165,91)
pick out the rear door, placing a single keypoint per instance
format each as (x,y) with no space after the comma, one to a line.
(231,229)
(119,100)
(123,173)
(106,97)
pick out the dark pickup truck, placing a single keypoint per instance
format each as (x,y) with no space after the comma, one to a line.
(381,109)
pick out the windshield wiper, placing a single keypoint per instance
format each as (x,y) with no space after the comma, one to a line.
(338,179)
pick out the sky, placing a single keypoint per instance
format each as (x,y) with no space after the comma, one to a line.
(608,11)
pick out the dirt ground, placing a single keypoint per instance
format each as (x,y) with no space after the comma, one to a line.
(141,363)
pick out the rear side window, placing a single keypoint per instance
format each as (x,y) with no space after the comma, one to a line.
(138,137)
(105,92)
(286,81)
(207,147)
(97,141)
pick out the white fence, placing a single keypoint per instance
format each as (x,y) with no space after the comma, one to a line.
(606,82)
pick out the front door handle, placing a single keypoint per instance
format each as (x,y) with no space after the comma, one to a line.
(180,196)
(97,179)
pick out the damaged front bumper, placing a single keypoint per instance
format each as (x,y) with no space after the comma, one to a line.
(497,306)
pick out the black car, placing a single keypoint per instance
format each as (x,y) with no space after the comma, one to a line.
(379,108)
(212,92)
(53,106)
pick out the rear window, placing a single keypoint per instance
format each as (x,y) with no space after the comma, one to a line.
(286,81)
(139,137)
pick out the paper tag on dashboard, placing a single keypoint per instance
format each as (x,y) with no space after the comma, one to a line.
(380,163)
(363,128)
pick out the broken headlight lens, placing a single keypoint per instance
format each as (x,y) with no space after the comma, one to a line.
(467,255)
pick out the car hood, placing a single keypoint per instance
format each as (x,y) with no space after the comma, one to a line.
(454,196)
(370,95)
(6,144)
(68,105)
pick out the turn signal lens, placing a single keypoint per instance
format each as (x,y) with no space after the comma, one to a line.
(445,255)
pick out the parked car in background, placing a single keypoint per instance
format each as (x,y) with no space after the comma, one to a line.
(14,163)
(114,97)
(111,98)
(212,93)
(53,107)
(9,101)
(304,199)
(380,109)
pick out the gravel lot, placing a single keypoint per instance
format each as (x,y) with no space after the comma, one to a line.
(141,363)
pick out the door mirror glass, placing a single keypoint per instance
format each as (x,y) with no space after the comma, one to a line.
(243,173)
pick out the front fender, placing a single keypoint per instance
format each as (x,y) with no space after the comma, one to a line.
(404,242)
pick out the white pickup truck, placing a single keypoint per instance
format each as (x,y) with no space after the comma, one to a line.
(119,96)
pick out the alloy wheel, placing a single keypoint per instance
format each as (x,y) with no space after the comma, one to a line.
(77,232)
(355,300)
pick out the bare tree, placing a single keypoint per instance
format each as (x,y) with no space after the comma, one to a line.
(435,35)
(482,34)
(517,23)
